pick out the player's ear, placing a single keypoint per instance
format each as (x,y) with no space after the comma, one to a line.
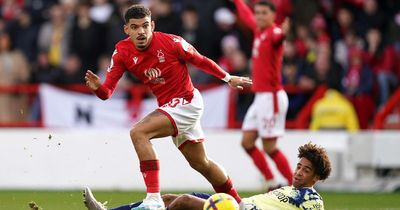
(126,29)
(153,25)
(316,178)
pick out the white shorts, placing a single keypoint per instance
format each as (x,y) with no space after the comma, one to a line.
(185,117)
(261,116)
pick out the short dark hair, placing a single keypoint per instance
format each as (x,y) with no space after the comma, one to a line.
(318,157)
(267,3)
(136,11)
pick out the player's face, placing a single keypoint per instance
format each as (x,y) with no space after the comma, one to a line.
(304,175)
(264,16)
(140,31)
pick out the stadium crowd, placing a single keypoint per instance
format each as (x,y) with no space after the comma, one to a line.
(352,46)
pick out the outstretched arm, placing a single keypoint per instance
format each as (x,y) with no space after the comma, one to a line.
(279,34)
(105,90)
(188,53)
(245,14)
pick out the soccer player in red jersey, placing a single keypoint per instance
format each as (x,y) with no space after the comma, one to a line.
(266,116)
(159,61)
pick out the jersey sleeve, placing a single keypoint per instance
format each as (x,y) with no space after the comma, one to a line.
(277,36)
(114,73)
(312,204)
(311,201)
(189,54)
(245,14)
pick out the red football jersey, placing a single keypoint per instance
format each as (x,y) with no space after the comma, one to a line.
(161,66)
(267,52)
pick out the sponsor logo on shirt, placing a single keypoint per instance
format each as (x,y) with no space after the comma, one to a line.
(280,196)
(154,75)
(135,59)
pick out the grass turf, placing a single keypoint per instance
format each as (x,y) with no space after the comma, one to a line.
(72,200)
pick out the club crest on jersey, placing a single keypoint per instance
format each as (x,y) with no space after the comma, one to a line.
(160,56)
(154,75)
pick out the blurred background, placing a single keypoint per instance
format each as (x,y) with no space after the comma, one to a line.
(341,70)
(352,46)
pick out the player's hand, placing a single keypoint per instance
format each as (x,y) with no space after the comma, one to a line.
(285,26)
(92,80)
(239,82)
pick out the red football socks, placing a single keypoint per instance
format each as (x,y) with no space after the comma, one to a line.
(227,187)
(260,161)
(150,170)
(283,165)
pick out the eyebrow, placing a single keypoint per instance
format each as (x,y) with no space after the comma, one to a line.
(310,168)
(138,25)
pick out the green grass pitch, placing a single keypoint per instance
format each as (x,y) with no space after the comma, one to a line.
(72,200)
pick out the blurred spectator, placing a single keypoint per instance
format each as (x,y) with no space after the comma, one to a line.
(224,20)
(304,11)
(113,28)
(44,72)
(10,9)
(334,111)
(229,46)
(343,24)
(240,67)
(394,29)
(343,46)
(319,28)
(69,7)
(193,32)
(14,70)
(370,17)
(290,53)
(53,36)
(292,68)
(86,37)
(301,36)
(101,11)
(24,35)
(39,10)
(290,75)
(72,72)
(322,72)
(190,25)
(357,87)
(167,20)
(381,58)
(2,25)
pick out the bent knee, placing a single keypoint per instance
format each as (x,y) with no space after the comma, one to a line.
(247,144)
(182,201)
(199,165)
(137,134)
(168,198)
